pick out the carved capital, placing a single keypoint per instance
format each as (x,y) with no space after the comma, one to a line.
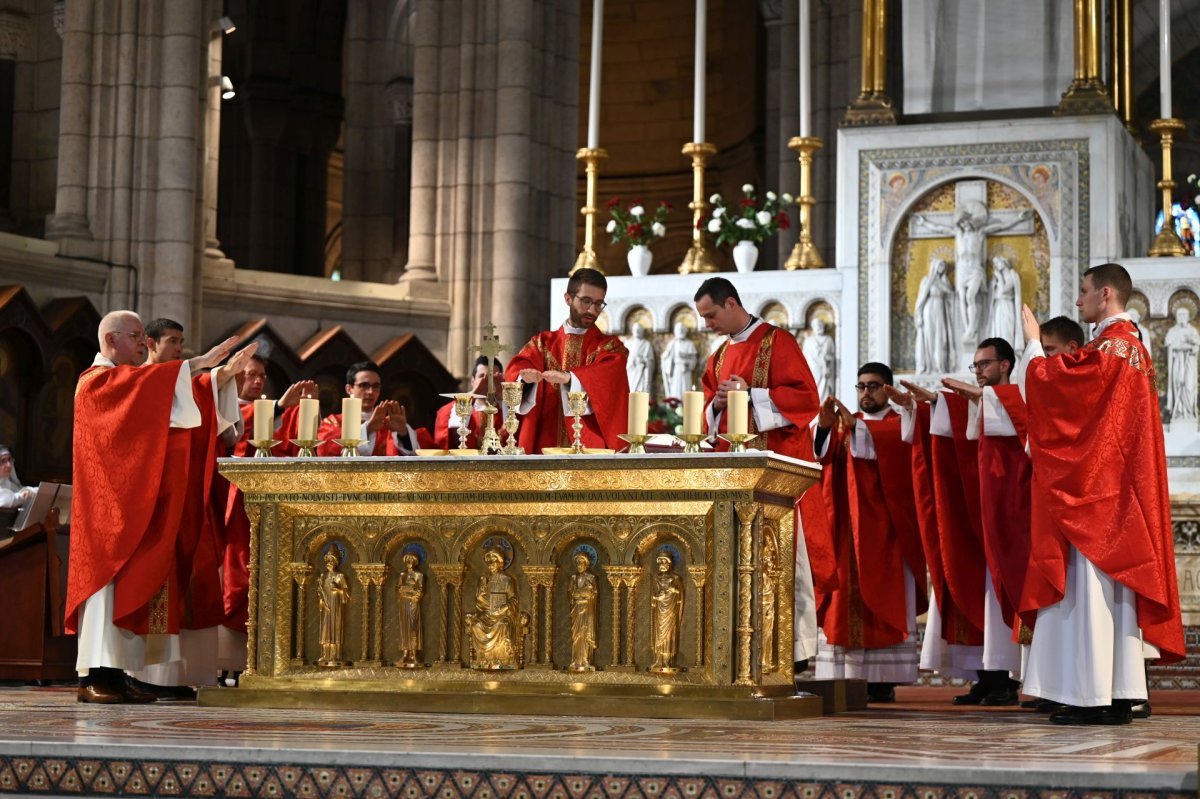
(14,30)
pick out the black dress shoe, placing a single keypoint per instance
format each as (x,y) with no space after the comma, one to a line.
(800,666)
(1000,697)
(99,694)
(164,692)
(1141,710)
(1031,704)
(1048,706)
(881,692)
(973,697)
(1105,714)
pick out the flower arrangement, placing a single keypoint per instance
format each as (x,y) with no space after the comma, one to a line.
(665,417)
(750,219)
(632,226)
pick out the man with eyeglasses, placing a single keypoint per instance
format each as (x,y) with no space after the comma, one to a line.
(575,357)
(766,362)
(135,429)
(385,426)
(869,629)
(1102,576)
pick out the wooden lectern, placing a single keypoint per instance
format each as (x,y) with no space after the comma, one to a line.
(33,571)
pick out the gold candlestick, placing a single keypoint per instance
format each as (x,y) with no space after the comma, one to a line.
(691,442)
(698,258)
(737,441)
(305,447)
(637,443)
(263,447)
(349,446)
(1167,242)
(512,393)
(577,401)
(462,409)
(804,254)
(587,257)
(490,441)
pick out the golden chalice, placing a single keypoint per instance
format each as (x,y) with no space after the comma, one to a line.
(462,409)
(511,392)
(577,402)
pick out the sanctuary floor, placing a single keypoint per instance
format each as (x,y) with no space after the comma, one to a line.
(920,747)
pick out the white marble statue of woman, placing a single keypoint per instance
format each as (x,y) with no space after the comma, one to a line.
(679,361)
(1006,303)
(818,350)
(934,320)
(1183,348)
(640,365)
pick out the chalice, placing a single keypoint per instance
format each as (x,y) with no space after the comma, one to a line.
(577,402)
(462,409)
(512,399)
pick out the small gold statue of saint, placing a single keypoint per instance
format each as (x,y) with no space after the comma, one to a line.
(497,625)
(409,590)
(333,591)
(583,591)
(666,615)
(770,584)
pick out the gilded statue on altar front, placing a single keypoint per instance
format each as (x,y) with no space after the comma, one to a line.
(770,577)
(333,592)
(583,591)
(497,625)
(409,591)
(666,615)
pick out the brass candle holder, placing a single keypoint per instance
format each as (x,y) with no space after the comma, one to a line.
(306,447)
(349,446)
(804,254)
(512,393)
(263,447)
(591,156)
(737,441)
(698,258)
(1167,241)
(637,443)
(691,442)
(462,409)
(489,442)
(577,402)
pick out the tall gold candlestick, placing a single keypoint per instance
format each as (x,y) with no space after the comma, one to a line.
(804,254)
(1167,242)
(587,257)
(698,258)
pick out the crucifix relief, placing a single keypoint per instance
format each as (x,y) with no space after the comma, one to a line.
(970,223)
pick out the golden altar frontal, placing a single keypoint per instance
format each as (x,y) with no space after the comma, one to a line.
(608,585)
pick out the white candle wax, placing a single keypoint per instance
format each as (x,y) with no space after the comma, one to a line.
(264,419)
(701,42)
(738,407)
(351,417)
(693,413)
(593,131)
(639,412)
(310,409)
(805,70)
(1164,59)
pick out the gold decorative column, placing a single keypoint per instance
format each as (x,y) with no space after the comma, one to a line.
(628,577)
(747,514)
(873,106)
(1086,94)
(614,584)
(1167,242)
(698,258)
(300,574)
(254,513)
(450,577)
(541,577)
(371,575)
(804,254)
(591,157)
(699,575)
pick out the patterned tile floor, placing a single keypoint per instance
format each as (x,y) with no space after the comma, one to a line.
(920,747)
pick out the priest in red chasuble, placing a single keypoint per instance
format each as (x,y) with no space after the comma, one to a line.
(766,361)
(575,357)
(132,447)
(384,428)
(444,434)
(870,620)
(1102,575)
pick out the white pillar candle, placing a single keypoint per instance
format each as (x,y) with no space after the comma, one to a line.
(593,130)
(805,70)
(310,409)
(693,413)
(351,418)
(639,412)
(1164,60)
(701,42)
(264,419)
(737,407)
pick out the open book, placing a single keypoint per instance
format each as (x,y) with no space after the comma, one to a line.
(47,496)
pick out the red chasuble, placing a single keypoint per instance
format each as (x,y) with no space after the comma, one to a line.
(1100,479)
(442,437)
(1004,484)
(874,518)
(598,360)
(129,477)
(770,358)
(331,430)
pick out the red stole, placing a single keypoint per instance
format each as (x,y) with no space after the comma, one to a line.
(129,480)
(1100,479)
(598,361)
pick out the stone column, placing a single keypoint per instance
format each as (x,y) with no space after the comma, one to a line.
(69,219)
(425,142)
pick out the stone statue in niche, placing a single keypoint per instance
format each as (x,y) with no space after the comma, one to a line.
(821,353)
(333,593)
(666,615)
(583,592)
(933,317)
(497,626)
(1005,318)
(1183,348)
(409,591)
(640,365)
(679,362)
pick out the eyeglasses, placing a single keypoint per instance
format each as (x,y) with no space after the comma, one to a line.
(872,386)
(368,386)
(588,303)
(979,366)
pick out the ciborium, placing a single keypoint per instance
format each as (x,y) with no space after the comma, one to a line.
(306,447)
(737,441)
(263,447)
(577,402)
(512,394)
(462,409)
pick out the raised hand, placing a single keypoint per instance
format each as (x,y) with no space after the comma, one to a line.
(296,392)
(530,375)
(904,399)
(557,378)
(828,414)
(969,390)
(1029,324)
(919,393)
(397,418)
(236,364)
(214,356)
(379,416)
(845,416)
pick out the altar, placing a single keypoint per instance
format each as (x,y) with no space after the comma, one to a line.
(608,585)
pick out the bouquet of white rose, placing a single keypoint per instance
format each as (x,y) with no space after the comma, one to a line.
(750,220)
(632,226)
